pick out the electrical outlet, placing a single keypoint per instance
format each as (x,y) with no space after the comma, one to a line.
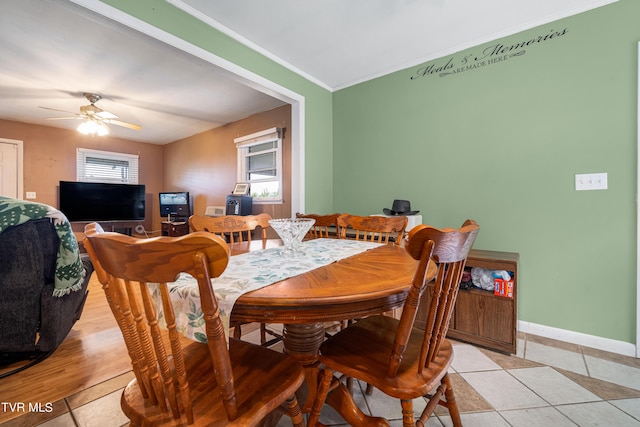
(31,194)
(591,181)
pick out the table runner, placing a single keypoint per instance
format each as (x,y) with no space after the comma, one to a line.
(248,272)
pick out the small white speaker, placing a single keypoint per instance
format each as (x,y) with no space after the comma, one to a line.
(139,229)
(214,211)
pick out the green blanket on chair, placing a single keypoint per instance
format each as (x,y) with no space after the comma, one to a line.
(69,269)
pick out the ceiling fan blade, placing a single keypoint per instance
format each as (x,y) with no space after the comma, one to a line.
(105,115)
(62,118)
(124,124)
(55,109)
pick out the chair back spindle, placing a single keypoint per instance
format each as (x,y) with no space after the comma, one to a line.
(326,226)
(381,229)
(449,249)
(233,227)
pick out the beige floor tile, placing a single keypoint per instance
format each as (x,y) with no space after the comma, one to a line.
(502,390)
(537,417)
(552,386)
(597,414)
(102,412)
(630,406)
(478,419)
(468,358)
(520,346)
(557,357)
(613,372)
(64,420)
(99,390)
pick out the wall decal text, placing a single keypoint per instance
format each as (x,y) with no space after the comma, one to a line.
(488,56)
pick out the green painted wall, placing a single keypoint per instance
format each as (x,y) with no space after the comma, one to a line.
(501,143)
(318,101)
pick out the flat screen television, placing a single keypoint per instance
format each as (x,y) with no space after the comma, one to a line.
(175,203)
(96,201)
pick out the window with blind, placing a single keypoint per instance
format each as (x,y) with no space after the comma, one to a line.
(260,164)
(106,166)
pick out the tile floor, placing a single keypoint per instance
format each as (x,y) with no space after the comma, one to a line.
(548,383)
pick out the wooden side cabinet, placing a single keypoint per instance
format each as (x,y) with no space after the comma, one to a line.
(175,229)
(479,316)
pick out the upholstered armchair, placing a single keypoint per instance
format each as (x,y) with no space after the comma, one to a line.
(36,314)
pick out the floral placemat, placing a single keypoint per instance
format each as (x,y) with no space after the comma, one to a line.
(248,272)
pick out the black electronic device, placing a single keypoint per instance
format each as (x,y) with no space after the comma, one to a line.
(239,205)
(98,201)
(175,205)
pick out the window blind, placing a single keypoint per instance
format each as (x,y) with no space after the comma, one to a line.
(106,166)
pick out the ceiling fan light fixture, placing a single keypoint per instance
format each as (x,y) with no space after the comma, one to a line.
(93,127)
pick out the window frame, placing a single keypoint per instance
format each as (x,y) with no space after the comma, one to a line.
(133,161)
(244,143)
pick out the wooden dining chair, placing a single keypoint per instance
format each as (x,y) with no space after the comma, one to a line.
(233,227)
(178,381)
(325,226)
(391,354)
(374,228)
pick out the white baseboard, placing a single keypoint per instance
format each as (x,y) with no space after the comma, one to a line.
(605,344)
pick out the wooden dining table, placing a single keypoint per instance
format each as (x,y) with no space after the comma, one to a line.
(371,282)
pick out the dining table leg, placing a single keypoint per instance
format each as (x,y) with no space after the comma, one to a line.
(302,341)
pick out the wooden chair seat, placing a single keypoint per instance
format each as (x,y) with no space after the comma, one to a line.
(255,400)
(362,351)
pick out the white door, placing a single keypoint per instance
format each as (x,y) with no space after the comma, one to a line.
(11,168)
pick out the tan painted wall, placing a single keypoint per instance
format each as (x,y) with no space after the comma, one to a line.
(50,157)
(205,164)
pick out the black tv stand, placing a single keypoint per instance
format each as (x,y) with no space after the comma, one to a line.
(175,228)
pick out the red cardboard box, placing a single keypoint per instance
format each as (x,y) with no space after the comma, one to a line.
(503,288)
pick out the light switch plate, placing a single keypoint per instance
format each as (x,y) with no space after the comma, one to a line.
(591,181)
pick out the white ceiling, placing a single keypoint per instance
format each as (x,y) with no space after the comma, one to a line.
(339,43)
(54,50)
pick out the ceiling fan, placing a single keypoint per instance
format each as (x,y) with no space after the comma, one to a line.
(94,115)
